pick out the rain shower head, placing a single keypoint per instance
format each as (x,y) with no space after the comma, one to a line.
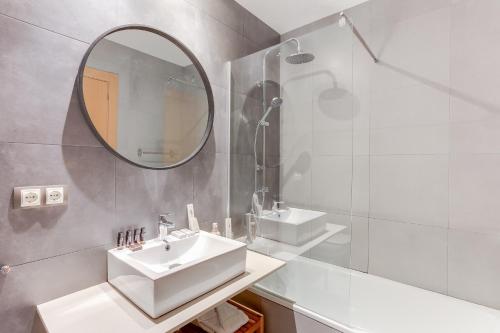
(299,58)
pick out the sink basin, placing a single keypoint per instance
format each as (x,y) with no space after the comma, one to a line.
(294,226)
(158,281)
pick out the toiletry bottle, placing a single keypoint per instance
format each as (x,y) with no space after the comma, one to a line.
(215,229)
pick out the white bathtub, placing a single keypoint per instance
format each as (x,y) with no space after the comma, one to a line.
(354,302)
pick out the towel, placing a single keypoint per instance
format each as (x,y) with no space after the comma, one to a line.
(230,317)
(225,318)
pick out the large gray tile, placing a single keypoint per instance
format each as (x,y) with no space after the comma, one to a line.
(228,12)
(473,267)
(87,221)
(83,20)
(211,189)
(41,281)
(409,253)
(259,32)
(474,192)
(221,120)
(410,189)
(39,104)
(246,75)
(212,42)
(241,189)
(142,195)
(244,115)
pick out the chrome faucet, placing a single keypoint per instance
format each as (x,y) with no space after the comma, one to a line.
(279,207)
(163,225)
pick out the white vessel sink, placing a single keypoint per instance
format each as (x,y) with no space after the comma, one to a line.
(158,281)
(295,226)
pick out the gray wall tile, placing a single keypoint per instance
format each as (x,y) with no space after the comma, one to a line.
(37,104)
(258,32)
(228,12)
(142,195)
(210,189)
(87,221)
(44,280)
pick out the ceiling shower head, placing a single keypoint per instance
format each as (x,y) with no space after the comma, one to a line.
(299,58)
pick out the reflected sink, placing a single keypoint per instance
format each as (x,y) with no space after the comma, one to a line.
(294,226)
(158,281)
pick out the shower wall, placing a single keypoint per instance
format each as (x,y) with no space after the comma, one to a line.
(246,109)
(316,139)
(426,185)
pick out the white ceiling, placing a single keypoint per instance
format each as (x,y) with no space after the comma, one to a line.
(152,44)
(286,15)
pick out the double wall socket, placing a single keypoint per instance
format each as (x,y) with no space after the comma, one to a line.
(40,196)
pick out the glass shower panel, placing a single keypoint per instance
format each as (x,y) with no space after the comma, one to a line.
(292,172)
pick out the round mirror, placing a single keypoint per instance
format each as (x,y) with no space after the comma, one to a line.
(146,97)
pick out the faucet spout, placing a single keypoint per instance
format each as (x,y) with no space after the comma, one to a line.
(164,224)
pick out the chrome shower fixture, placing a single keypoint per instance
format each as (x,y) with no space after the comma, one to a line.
(275,103)
(299,58)
(343,20)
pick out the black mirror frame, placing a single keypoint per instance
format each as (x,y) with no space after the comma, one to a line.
(196,63)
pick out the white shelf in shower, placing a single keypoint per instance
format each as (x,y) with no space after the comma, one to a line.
(288,252)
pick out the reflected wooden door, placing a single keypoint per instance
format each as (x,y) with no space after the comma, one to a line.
(101,99)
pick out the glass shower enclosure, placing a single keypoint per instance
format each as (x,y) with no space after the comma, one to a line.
(291,164)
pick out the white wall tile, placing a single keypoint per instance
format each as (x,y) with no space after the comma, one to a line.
(403,61)
(361,186)
(359,243)
(475,192)
(410,189)
(474,267)
(409,140)
(409,253)
(383,11)
(415,105)
(475,77)
(331,183)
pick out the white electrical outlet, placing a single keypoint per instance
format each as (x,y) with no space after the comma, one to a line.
(30,197)
(54,195)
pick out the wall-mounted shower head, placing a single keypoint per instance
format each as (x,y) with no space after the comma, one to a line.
(299,58)
(275,103)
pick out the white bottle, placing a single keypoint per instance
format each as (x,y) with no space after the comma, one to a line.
(215,229)
(228,228)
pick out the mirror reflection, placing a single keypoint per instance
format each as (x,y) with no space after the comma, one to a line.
(146,99)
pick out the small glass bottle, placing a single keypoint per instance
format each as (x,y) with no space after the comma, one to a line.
(215,229)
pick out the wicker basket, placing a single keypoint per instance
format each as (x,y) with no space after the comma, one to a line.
(255,322)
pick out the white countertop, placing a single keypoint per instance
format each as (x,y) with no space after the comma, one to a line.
(103,309)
